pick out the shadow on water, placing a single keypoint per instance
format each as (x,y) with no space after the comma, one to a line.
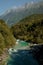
(38,54)
(22,57)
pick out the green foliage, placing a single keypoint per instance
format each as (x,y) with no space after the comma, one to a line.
(6,38)
(29,29)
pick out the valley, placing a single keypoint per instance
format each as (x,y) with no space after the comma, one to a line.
(21,35)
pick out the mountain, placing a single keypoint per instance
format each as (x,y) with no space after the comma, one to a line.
(29,29)
(6,38)
(14,15)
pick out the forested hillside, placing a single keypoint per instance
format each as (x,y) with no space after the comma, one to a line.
(6,38)
(29,29)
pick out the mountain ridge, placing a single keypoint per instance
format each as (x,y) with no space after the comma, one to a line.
(21,12)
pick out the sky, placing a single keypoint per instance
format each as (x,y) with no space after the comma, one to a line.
(7,4)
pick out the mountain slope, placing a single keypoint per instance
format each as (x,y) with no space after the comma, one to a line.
(29,29)
(14,15)
(6,38)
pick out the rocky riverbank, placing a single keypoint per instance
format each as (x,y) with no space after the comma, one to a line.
(4,57)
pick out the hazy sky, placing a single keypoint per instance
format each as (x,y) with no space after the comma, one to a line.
(7,4)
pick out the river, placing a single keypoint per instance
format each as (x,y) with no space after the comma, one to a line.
(22,56)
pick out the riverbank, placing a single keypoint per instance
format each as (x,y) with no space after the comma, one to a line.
(4,57)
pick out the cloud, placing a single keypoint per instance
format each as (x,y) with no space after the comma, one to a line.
(14,7)
(32,2)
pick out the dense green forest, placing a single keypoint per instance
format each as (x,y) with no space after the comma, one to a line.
(29,29)
(6,38)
